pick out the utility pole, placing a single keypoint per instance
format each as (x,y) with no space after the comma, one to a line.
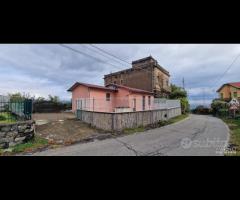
(183,82)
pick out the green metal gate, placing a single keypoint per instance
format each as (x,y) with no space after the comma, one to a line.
(28,109)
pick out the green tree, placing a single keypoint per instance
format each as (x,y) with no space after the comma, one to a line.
(54,99)
(219,107)
(19,96)
(179,93)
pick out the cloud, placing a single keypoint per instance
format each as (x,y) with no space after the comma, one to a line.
(43,69)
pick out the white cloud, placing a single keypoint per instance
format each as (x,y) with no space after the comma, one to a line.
(51,69)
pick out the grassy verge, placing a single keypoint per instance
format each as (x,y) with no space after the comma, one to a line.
(234,126)
(30,146)
(156,125)
(6,118)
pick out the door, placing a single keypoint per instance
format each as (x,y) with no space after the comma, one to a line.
(134,105)
(79,109)
(143,103)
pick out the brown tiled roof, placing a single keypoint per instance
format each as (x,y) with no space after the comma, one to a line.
(129,88)
(90,86)
(235,84)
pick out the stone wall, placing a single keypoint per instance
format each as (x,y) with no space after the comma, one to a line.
(16,133)
(119,121)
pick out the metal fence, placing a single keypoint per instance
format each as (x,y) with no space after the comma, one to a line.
(124,104)
(160,103)
(50,107)
(15,110)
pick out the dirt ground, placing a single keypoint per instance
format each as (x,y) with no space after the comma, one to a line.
(65,132)
(52,116)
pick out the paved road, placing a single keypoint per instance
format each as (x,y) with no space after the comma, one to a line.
(196,136)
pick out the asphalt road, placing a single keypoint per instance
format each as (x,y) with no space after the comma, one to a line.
(195,136)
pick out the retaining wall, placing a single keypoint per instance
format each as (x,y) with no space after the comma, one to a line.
(120,121)
(16,133)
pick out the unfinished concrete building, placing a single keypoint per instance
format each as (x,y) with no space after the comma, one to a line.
(145,74)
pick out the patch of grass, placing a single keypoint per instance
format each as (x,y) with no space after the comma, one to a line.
(178,118)
(6,117)
(31,145)
(234,126)
(156,125)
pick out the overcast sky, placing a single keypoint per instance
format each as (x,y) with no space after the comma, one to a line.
(42,69)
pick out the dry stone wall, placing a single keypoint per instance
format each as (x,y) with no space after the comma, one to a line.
(16,133)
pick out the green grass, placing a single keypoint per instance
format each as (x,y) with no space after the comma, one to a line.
(178,118)
(29,146)
(6,117)
(234,126)
(156,125)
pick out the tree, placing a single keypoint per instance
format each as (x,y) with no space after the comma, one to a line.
(54,99)
(179,93)
(219,107)
(18,96)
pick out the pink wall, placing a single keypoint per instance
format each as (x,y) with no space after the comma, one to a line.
(79,92)
(121,98)
(100,102)
(139,101)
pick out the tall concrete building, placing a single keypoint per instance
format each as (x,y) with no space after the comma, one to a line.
(145,74)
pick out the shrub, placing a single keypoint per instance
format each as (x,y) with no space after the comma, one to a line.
(185,107)
(2,118)
(218,105)
(223,112)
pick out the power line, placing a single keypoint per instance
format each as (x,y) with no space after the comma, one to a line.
(102,54)
(100,49)
(80,52)
(77,51)
(229,67)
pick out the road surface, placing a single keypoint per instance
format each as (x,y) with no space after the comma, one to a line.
(195,136)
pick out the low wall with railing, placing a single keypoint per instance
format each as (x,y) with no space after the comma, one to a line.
(120,121)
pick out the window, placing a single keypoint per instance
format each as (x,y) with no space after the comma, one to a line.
(167,82)
(107,96)
(143,103)
(121,82)
(235,94)
(221,95)
(115,82)
(149,100)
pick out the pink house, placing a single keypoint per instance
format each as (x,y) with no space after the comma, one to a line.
(112,98)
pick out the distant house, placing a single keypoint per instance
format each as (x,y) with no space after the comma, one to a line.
(110,98)
(229,90)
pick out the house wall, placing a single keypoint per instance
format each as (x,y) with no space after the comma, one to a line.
(228,90)
(135,78)
(95,99)
(161,81)
(99,102)
(79,92)
(139,101)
